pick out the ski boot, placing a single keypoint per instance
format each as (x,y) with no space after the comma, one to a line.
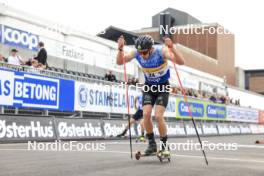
(152,149)
(164,154)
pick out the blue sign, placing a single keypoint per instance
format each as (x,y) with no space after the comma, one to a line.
(197,109)
(18,38)
(215,111)
(34,91)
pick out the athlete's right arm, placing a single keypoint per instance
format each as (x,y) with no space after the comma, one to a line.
(121,56)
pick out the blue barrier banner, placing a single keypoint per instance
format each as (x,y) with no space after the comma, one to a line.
(215,111)
(200,109)
(18,38)
(196,108)
(19,89)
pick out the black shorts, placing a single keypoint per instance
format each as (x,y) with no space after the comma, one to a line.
(157,97)
(138,115)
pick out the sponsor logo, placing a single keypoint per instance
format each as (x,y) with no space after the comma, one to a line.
(29,90)
(111,129)
(175,129)
(209,129)
(84,130)
(241,114)
(214,111)
(19,38)
(197,109)
(223,129)
(34,129)
(83,96)
(190,130)
(73,53)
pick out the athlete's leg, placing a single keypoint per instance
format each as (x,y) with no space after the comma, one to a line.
(161,104)
(152,147)
(159,115)
(142,127)
(148,124)
(132,121)
(148,102)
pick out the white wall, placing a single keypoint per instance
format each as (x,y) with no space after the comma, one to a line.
(247,98)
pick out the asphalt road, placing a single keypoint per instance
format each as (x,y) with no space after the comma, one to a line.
(113,158)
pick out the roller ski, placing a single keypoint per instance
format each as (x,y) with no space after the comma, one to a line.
(162,155)
(150,151)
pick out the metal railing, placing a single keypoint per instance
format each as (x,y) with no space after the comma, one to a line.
(55,74)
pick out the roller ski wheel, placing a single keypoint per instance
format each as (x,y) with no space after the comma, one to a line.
(164,155)
(138,155)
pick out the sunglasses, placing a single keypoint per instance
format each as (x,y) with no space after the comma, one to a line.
(145,52)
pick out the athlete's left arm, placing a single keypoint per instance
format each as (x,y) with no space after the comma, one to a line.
(171,53)
(135,102)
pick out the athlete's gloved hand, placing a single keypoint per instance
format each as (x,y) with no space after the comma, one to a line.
(168,42)
(121,42)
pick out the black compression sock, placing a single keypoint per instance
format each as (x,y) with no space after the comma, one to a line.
(163,141)
(151,138)
(142,133)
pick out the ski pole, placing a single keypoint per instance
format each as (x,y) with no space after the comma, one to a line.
(128,106)
(189,110)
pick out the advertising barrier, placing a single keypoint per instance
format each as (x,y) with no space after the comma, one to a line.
(223,128)
(209,129)
(244,128)
(18,38)
(36,128)
(20,89)
(200,110)
(175,129)
(254,128)
(112,128)
(103,98)
(73,128)
(97,97)
(240,114)
(261,128)
(234,129)
(22,128)
(190,130)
